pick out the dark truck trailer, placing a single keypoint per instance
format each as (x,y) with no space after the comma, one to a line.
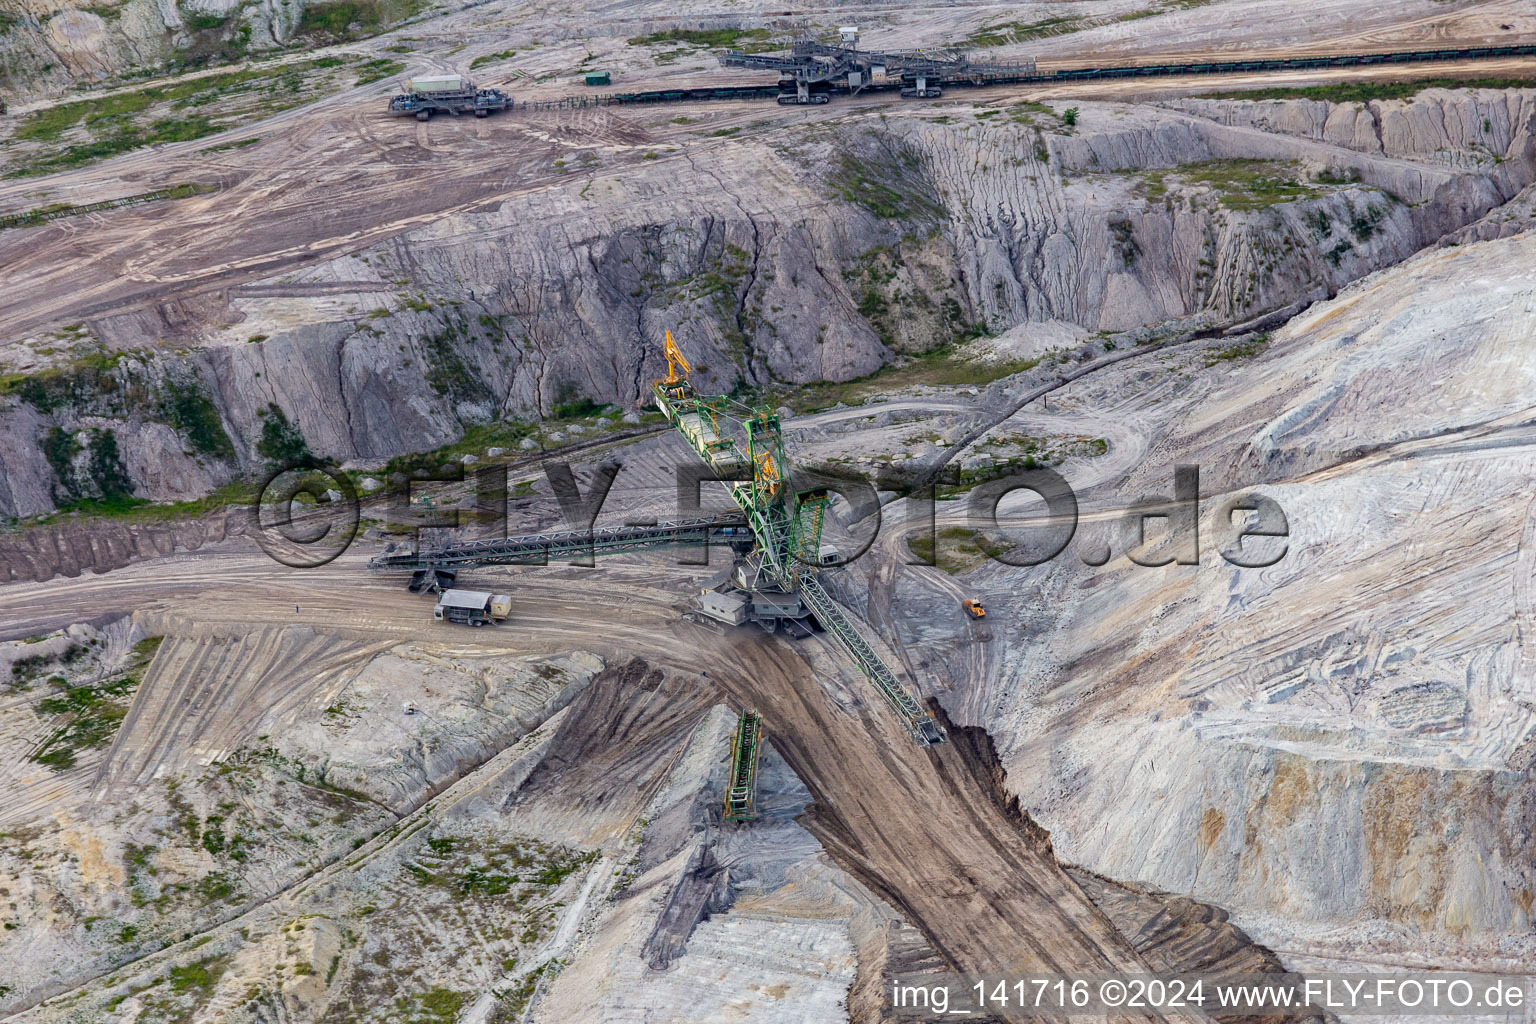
(447,93)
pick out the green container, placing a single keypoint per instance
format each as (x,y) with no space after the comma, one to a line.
(597,78)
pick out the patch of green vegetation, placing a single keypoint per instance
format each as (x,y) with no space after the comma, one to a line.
(500,433)
(351,19)
(1330,176)
(215,887)
(722,289)
(954,483)
(100,476)
(373,70)
(342,707)
(448,373)
(1238,184)
(336,19)
(1366,90)
(50,123)
(60,447)
(199,977)
(892,189)
(1243,350)
(960,549)
(127,137)
(281,441)
(504,870)
(1125,240)
(514,1004)
(145,650)
(59,759)
(112,123)
(1022,451)
(434,1006)
(1027,111)
(491,58)
(137,858)
(239,492)
(1363,223)
(580,407)
(92,715)
(187,407)
(747,39)
(28,667)
(1093,448)
(215,44)
(476,881)
(890,298)
(203,21)
(1017,31)
(948,365)
(555,872)
(213,834)
(88,384)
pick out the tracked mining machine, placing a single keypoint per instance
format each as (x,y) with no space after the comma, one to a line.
(448,94)
(774,532)
(785,520)
(813,69)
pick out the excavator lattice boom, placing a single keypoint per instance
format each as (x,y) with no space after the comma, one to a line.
(677,365)
(785,521)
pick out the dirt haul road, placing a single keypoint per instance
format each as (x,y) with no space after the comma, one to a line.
(918,826)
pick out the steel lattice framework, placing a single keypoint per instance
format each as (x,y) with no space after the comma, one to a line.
(535,548)
(811,62)
(741,787)
(786,521)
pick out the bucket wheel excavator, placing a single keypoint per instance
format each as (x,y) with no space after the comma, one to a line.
(744,446)
(775,532)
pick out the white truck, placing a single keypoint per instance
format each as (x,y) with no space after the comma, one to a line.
(472,607)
